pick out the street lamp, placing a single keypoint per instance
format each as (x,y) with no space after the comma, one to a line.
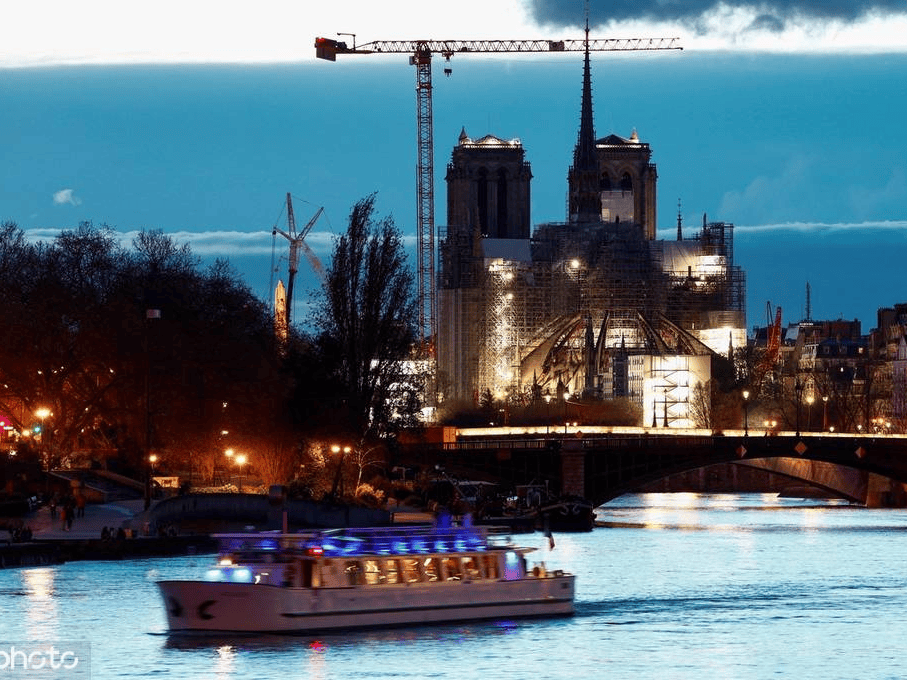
(240,460)
(809,418)
(825,413)
(338,477)
(746,413)
(43,414)
(547,412)
(229,454)
(798,390)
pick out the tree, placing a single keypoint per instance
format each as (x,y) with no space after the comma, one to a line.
(78,341)
(366,322)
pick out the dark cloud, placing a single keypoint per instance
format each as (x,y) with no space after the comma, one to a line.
(772,14)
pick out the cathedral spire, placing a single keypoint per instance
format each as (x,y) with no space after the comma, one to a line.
(584,153)
(585,198)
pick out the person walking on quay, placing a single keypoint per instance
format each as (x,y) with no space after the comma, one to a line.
(80,505)
(63,517)
(53,506)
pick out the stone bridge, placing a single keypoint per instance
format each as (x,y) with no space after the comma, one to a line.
(601,464)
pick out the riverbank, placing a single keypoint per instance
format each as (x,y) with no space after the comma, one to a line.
(53,542)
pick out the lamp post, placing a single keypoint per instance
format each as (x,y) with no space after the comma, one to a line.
(547,412)
(229,454)
(338,478)
(43,414)
(746,413)
(809,412)
(798,391)
(825,413)
(241,461)
(566,397)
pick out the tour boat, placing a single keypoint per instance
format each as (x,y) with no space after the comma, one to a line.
(353,578)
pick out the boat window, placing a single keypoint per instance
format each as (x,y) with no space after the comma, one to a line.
(471,568)
(410,570)
(373,573)
(307,573)
(491,566)
(353,572)
(430,567)
(392,570)
(452,569)
(513,566)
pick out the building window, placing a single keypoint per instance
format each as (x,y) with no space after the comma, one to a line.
(482,198)
(502,204)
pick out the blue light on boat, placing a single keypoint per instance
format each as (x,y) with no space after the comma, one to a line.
(214,575)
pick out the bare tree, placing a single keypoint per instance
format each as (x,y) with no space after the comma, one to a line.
(367,326)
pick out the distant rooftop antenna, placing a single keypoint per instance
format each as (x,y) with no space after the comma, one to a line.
(809,316)
(679,222)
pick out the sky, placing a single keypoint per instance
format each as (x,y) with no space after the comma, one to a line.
(196,118)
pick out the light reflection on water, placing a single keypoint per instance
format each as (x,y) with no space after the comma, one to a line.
(41,612)
(675,586)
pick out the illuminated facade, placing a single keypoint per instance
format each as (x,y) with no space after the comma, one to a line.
(595,305)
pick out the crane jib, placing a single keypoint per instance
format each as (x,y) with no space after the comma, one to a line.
(327,48)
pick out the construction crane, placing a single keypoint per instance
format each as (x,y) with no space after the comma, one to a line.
(421,52)
(772,348)
(297,242)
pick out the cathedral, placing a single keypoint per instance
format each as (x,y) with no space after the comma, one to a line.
(594,306)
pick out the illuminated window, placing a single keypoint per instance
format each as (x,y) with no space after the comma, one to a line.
(471,568)
(491,566)
(512,566)
(392,571)
(410,570)
(373,574)
(353,572)
(452,570)
(430,568)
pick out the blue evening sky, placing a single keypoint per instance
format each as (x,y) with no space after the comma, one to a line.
(793,132)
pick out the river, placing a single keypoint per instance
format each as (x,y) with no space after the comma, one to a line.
(673,586)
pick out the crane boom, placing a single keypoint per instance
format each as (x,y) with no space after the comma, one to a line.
(327,48)
(421,52)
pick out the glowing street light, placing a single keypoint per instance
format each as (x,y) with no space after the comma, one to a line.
(241,461)
(336,448)
(746,413)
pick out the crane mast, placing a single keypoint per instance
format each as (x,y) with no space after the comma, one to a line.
(421,52)
(297,241)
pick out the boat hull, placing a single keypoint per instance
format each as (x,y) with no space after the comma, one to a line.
(194,606)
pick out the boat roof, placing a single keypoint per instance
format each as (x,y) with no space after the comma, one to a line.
(361,541)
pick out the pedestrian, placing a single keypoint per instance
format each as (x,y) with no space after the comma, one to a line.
(53,506)
(80,505)
(63,517)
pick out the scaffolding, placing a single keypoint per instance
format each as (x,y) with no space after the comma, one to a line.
(589,299)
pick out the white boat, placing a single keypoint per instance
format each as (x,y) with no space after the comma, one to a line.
(352,578)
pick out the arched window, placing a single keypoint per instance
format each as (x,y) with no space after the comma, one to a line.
(501,230)
(626,183)
(605,182)
(482,199)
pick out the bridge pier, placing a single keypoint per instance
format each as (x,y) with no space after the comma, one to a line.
(883,492)
(573,468)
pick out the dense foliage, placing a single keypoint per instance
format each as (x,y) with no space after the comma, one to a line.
(130,350)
